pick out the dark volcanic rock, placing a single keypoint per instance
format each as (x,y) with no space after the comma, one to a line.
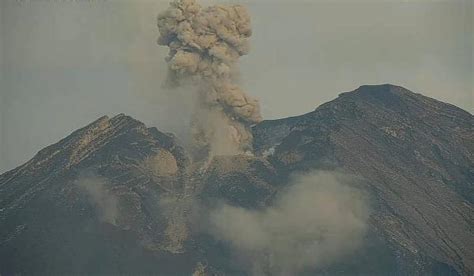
(416,155)
(51,226)
(116,196)
(240,180)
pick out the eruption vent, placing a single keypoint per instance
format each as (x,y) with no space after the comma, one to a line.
(205,45)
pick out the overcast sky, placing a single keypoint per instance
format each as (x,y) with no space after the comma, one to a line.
(65,63)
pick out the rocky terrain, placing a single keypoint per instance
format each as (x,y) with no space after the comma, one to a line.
(118,197)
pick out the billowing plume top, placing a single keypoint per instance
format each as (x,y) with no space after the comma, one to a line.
(219,31)
(205,45)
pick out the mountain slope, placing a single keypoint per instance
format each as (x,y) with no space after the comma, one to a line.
(118,197)
(415,153)
(51,224)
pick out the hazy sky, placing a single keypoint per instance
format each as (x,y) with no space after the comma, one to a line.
(65,63)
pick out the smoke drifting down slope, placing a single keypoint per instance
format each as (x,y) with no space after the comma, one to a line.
(205,45)
(319,219)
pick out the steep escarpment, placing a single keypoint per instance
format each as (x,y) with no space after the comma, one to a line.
(118,197)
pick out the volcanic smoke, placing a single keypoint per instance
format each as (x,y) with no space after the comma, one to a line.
(204,47)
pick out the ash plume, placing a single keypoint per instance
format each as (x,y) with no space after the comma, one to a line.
(204,47)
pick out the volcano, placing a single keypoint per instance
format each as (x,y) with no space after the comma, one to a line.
(412,154)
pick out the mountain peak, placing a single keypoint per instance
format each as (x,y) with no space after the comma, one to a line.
(381,88)
(412,154)
(397,99)
(84,141)
(378,88)
(383,95)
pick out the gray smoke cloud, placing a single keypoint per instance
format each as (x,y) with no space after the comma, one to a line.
(316,221)
(105,202)
(204,47)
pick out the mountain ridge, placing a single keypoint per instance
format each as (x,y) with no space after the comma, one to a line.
(413,152)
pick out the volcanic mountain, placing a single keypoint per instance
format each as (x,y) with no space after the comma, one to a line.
(117,196)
